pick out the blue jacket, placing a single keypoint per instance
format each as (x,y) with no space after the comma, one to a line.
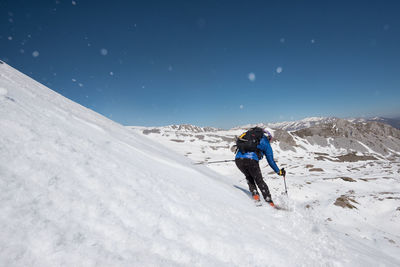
(266,149)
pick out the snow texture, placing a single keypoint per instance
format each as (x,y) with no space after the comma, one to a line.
(78,189)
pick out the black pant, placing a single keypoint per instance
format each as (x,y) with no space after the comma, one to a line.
(251,169)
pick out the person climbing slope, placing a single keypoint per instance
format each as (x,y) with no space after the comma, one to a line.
(251,147)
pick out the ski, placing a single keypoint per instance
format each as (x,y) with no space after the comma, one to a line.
(277,207)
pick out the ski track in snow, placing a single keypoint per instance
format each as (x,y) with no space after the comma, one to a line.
(78,189)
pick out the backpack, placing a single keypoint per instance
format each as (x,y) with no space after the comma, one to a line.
(248,141)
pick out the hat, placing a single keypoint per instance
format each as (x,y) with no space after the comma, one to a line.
(268,134)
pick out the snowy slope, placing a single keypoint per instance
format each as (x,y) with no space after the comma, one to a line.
(80,190)
(336,172)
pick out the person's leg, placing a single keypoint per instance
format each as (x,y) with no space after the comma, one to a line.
(243,166)
(255,172)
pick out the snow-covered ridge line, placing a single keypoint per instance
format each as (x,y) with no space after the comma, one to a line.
(345,135)
(312,121)
(300,124)
(184,128)
(286,125)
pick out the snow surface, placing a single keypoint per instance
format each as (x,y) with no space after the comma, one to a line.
(78,189)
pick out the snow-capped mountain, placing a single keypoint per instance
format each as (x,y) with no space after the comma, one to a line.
(317,135)
(182,128)
(78,189)
(301,124)
(394,122)
(315,121)
(291,125)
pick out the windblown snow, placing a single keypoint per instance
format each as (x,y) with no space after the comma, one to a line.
(78,189)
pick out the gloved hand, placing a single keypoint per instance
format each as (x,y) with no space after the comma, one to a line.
(282,172)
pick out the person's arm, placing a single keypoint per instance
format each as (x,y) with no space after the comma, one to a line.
(265,146)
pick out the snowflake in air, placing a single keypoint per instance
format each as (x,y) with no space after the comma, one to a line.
(103,52)
(252,77)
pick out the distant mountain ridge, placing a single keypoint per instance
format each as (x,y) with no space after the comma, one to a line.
(300,124)
(312,121)
(362,137)
(184,128)
(329,135)
(394,122)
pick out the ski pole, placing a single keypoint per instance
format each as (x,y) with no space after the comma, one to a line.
(284,180)
(211,162)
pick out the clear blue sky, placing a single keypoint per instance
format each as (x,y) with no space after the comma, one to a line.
(210,63)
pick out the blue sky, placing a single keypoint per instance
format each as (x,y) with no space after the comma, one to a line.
(210,63)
